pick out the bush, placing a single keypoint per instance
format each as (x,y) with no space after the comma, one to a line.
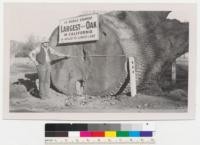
(26,47)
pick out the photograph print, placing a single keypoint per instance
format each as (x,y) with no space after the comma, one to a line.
(119,60)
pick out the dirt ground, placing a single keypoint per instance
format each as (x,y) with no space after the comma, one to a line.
(24,96)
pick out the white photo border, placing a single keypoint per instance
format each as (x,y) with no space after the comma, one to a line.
(191,9)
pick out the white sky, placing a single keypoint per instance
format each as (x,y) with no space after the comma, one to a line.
(22,20)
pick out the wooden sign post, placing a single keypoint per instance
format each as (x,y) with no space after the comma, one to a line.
(132,76)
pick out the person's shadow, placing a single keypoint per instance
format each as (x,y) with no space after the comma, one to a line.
(30,83)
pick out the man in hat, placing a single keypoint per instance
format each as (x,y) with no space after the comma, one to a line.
(41,57)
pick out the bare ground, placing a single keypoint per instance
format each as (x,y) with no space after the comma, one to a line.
(24,97)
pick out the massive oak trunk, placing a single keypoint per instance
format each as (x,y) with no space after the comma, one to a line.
(153,40)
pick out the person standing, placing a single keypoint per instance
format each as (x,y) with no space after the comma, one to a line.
(41,58)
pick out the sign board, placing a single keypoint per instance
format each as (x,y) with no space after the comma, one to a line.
(132,76)
(79,29)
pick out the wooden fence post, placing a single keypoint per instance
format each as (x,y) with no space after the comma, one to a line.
(174,72)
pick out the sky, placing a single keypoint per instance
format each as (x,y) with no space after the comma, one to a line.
(23,20)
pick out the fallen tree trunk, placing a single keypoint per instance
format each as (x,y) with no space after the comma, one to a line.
(152,39)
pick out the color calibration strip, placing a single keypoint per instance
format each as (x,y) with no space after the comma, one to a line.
(97,130)
(98,133)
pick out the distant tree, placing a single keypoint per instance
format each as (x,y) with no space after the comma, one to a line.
(29,45)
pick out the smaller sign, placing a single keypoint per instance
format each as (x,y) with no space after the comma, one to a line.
(132,76)
(79,29)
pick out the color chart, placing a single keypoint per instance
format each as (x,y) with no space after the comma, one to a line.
(108,133)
